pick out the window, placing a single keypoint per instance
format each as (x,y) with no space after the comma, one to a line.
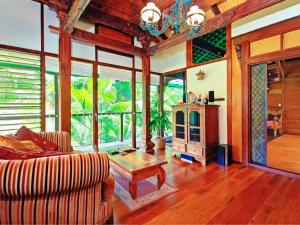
(20,91)
(154,97)
(174,89)
(114,105)
(52,110)
(82,106)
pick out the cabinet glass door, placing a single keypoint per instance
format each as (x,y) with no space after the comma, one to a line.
(180,130)
(194,126)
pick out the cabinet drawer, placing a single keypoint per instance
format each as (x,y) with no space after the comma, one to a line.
(178,146)
(195,150)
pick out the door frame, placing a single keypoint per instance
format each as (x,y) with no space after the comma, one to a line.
(247,61)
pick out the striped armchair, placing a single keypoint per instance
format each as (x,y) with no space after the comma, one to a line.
(67,189)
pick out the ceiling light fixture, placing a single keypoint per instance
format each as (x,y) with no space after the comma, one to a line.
(177,17)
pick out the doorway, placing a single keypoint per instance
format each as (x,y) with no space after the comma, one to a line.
(275,115)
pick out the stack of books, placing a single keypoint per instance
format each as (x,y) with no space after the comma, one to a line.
(186,158)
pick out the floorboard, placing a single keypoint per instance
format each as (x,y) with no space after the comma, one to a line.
(218,195)
(284,153)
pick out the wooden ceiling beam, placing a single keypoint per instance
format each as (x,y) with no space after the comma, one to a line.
(94,39)
(215,9)
(93,16)
(74,14)
(219,21)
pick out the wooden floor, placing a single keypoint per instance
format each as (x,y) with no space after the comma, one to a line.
(284,153)
(217,195)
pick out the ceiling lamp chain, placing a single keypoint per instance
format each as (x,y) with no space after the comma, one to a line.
(177,17)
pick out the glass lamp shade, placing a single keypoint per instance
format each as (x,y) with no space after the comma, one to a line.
(150,13)
(195,16)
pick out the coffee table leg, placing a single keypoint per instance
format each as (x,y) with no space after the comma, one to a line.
(133,189)
(161,177)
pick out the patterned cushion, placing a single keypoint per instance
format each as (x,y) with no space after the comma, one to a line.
(25,134)
(32,146)
(17,154)
(9,142)
(13,154)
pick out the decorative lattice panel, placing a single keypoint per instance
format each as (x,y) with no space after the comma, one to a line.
(216,39)
(291,39)
(258,113)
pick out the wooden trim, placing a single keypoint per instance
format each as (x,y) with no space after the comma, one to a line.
(133,104)
(26,50)
(43,72)
(272,56)
(189,53)
(65,53)
(147,144)
(94,39)
(229,83)
(208,62)
(245,52)
(271,30)
(281,41)
(95,106)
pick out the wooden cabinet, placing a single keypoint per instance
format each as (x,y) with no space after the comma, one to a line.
(196,131)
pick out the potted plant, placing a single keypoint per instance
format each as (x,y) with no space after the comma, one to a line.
(159,123)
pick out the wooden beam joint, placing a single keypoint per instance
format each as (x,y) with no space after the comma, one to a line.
(74,14)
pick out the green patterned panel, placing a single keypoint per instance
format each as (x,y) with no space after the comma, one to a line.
(258,113)
(216,39)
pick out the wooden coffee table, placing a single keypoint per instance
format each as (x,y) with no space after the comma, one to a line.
(137,166)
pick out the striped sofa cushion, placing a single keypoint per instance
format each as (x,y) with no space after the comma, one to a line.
(60,138)
(77,207)
(50,175)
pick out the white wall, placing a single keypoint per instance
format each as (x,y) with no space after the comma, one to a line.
(215,80)
(170,59)
(271,15)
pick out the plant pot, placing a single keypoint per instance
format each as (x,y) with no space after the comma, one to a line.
(160,144)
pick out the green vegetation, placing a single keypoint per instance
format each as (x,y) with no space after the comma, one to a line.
(20,73)
(159,121)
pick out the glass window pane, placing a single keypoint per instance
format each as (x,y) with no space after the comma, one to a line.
(173,92)
(52,110)
(112,58)
(114,105)
(20,91)
(82,106)
(20,24)
(51,39)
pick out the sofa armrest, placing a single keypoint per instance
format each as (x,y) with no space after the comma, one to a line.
(50,175)
(60,138)
(108,187)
